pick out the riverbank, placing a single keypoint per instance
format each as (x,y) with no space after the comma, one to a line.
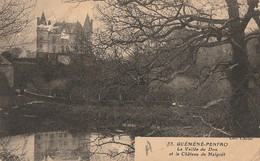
(34,115)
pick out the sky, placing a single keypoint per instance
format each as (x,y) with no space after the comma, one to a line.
(57,11)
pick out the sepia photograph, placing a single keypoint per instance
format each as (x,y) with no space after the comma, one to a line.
(84,80)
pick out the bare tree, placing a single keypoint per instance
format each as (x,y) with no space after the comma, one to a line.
(10,152)
(132,21)
(14,18)
(184,26)
(125,150)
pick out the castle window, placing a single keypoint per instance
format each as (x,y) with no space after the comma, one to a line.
(40,38)
(40,46)
(38,137)
(53,49)
(51,143)
(67,49)
(257,47)
(38,146)
(62,49)
(76,49)
(54,39)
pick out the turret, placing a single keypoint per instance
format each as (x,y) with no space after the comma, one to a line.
(43,19)
(38,21)
(88,25)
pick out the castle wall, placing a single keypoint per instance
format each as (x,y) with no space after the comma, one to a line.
(52,43)
(53,40)
(55,43)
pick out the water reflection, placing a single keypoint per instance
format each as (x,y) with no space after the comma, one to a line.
(59,146)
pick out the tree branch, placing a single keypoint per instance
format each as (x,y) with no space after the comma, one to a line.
(214,128)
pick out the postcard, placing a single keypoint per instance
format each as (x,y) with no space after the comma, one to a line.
(144,80)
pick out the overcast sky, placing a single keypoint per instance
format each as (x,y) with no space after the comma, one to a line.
(57,11)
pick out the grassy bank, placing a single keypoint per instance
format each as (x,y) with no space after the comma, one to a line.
(137,120)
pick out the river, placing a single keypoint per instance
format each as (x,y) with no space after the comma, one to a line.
(67,146)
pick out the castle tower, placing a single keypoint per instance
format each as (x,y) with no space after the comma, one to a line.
(88,25)
(42,20)
(42,36)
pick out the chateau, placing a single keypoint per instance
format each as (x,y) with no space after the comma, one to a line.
(56,41)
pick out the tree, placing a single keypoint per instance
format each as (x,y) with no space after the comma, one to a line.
(184,26)
(14,18)
(13,53)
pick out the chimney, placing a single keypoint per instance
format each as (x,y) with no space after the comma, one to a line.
(38,21)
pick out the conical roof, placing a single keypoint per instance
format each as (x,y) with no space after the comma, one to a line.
(87,22)
(43,19)
(43,16)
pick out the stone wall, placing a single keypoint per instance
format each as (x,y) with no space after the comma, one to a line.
(8,71)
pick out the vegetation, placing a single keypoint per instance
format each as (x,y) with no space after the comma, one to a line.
(137,120)
(172,33)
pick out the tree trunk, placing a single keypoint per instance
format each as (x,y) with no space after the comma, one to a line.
(243,120)
(242,115)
